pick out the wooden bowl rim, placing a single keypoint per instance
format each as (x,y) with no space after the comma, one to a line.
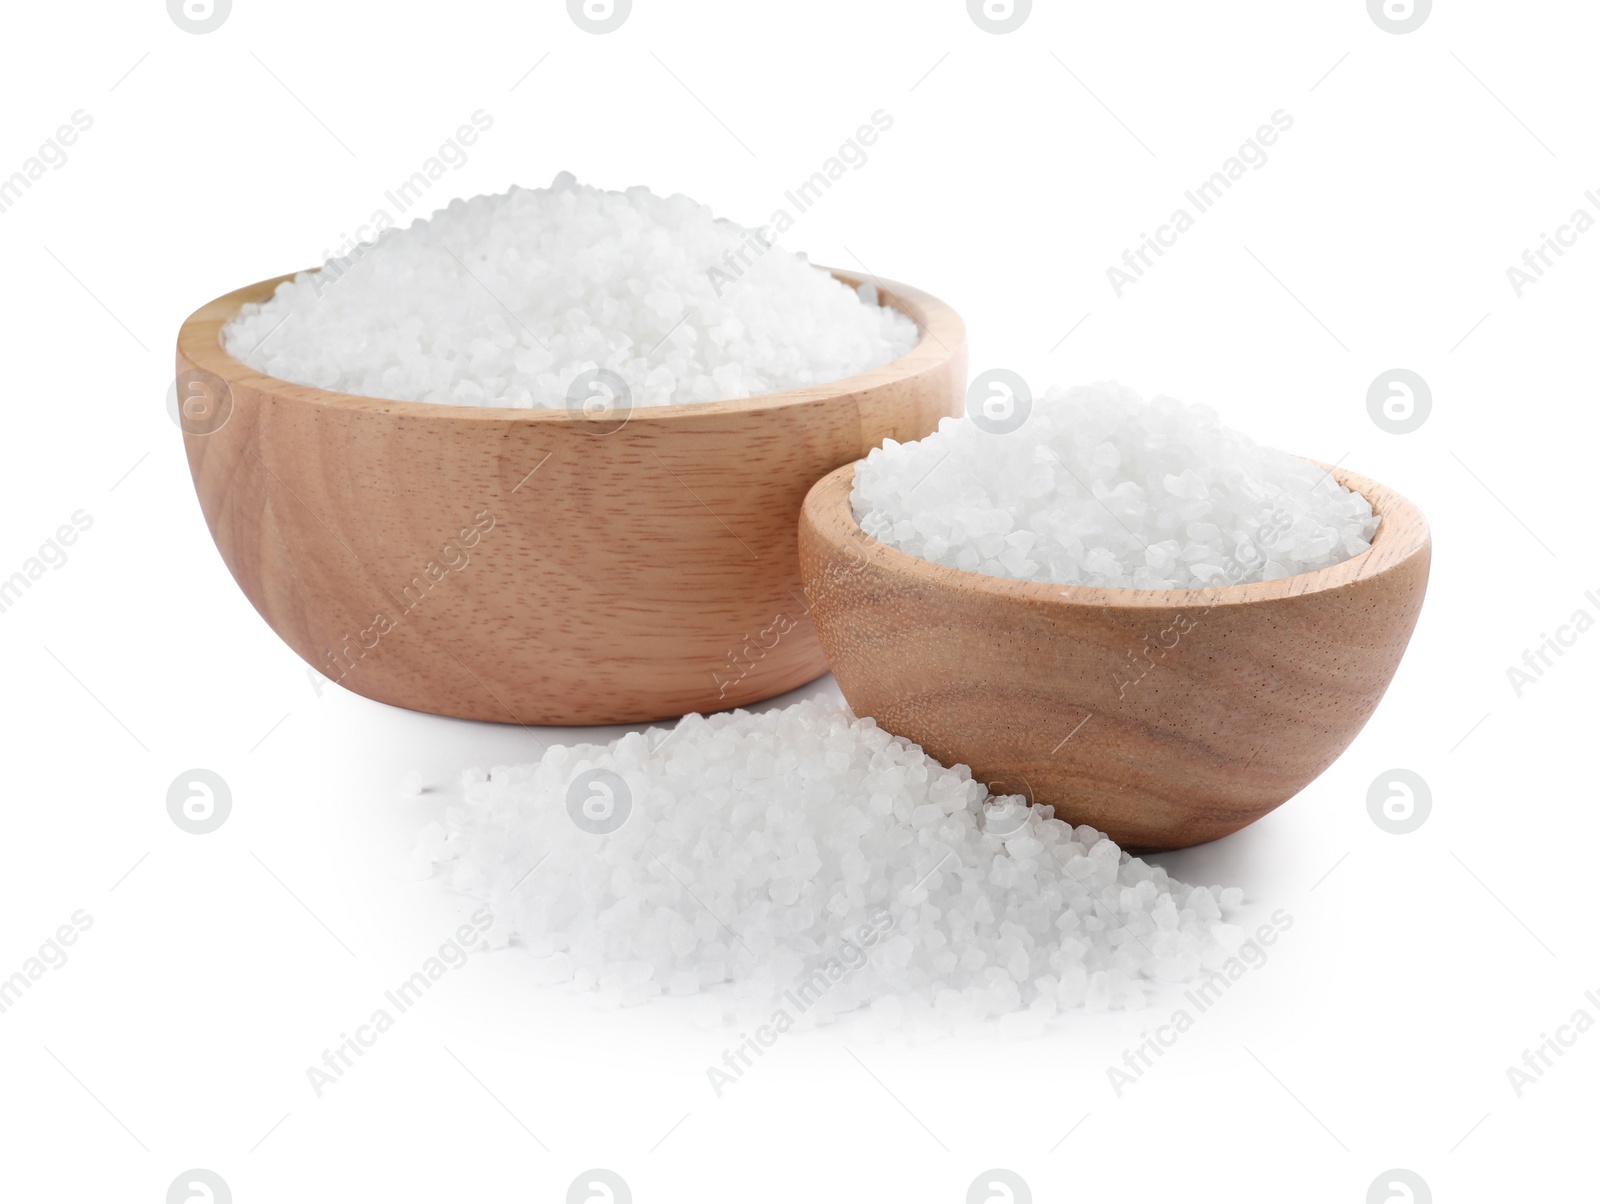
(1402,534)
(942,333)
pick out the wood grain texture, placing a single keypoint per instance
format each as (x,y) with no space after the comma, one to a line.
(520,565)
(1073,696)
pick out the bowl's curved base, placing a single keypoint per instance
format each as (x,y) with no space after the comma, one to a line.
(534,711)
(1112,781)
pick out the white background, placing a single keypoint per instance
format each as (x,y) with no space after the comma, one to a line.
(1019,167)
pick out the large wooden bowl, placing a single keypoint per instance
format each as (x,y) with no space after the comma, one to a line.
(538,566)
(1164,718)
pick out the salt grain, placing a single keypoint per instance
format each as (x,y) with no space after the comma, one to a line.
(1098,487)
(506,300)
(805,860)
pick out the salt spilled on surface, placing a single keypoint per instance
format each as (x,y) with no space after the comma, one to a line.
(805,861)
(1098,487)
(505,300)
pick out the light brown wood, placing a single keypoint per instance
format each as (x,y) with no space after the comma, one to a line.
(593,578)
(1164,718)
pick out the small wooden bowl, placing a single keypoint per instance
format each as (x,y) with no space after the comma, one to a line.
(538,566)
(1165,718)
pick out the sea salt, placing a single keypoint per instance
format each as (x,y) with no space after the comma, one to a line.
(807,861)
(508,300)
(1098,487)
